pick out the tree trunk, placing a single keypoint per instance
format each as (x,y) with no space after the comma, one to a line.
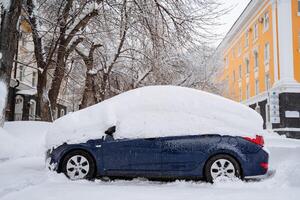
(42,98)
(57,77)
(8,43)
(89,94)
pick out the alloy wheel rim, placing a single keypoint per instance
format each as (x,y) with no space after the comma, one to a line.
(222,169)
(77,167)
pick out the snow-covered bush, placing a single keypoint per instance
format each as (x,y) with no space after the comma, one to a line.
(157,111)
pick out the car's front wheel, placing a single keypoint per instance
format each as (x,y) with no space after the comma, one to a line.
(222,167)
(78,164)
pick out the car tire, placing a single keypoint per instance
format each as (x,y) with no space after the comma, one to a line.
(78,164)
(222,166)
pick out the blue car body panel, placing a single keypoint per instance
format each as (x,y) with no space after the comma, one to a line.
(166,157)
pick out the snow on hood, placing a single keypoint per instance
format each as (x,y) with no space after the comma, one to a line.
(157,111)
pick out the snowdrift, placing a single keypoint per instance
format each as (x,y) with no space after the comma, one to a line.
(157,111)
(31,134)
(23,138)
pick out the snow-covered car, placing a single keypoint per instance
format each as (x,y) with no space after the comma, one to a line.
(159,132)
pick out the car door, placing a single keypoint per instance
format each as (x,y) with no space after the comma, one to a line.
(132,157)
(181,155)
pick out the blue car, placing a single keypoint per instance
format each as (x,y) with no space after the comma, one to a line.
(209,157)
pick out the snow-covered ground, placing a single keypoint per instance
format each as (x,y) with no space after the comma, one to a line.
(23,176)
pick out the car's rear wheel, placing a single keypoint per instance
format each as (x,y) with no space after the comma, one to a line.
(78,164)
(222,167)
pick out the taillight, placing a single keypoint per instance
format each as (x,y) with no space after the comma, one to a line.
(257,140)
(264,165)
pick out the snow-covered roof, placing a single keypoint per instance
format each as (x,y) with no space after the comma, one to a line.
(155,111)
(28,92)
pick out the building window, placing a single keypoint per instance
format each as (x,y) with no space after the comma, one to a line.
(256,87)
(55,113)
(267,53)
(266,21)
(299,41)
(256,61)
(62,112)
(240,71)
(32,109)
(298,7)
(34,78)
(21,73)
(241,94)
(247,39)
(267,81)
(247,66)
(18,115)
(233,76)
(255,32)
(226,61)
(247,91)
(239,50)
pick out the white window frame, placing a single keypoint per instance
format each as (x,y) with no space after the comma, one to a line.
(266,21)
(267,53)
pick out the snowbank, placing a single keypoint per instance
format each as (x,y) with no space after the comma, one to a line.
(157,111)
(31,133)
(8,145)
(22,139)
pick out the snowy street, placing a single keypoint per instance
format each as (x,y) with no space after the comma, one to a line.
(27,178)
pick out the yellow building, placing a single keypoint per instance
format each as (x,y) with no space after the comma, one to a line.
(261,69)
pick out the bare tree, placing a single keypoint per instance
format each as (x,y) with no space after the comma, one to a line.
(143,43)
(71,18)
(8,41)
(89,95)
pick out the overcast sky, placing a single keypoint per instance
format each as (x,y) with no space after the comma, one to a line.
(237,8)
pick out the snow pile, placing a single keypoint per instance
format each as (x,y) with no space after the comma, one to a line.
(6,148)
(32,135)
(22,139)
(8,145)
(157,111)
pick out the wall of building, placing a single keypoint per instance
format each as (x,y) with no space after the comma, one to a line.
(296,37)
(279,103)
(238,51)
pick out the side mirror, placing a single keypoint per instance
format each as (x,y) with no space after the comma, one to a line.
(110,131)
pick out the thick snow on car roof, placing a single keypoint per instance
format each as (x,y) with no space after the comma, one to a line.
(156,111)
